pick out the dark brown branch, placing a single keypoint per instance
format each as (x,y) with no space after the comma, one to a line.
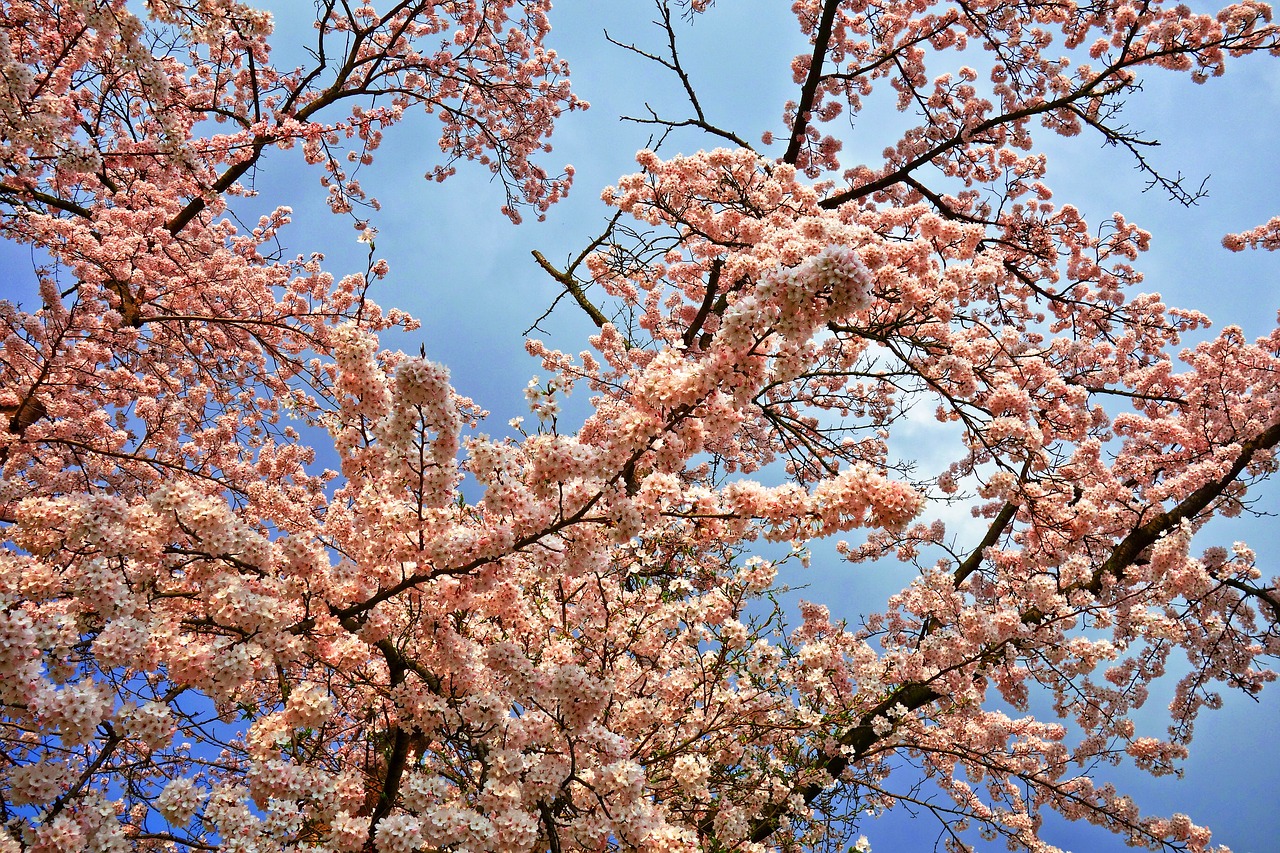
(1192,505)
(708,300)
(1109,81)
(574,288)
(113,740)
(994,532)
(401,739)
(1266,595)
(27,412)
(50,200)
(940,204)
(690,122)
(197,205)
(860,740)
(700,120)
(1132,395)
(821,39)
(549,821)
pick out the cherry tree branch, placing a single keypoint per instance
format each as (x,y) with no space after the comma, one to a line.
(821,41)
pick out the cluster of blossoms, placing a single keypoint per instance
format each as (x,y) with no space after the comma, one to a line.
(180,800)
(556,640)
(833,284)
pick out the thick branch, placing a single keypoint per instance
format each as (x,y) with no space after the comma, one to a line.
(994,532)
(46,199)
(708,300)
(1192,505)
(821,38)
(859,740)
(574,288)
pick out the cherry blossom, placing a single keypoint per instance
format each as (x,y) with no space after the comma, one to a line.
(568,637)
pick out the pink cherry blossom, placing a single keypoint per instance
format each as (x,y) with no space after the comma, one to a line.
(570,638)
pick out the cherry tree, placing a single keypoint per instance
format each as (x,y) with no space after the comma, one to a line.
(568,638)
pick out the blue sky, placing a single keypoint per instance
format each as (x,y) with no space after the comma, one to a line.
(466,272)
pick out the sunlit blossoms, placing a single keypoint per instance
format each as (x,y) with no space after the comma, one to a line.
(270,586)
